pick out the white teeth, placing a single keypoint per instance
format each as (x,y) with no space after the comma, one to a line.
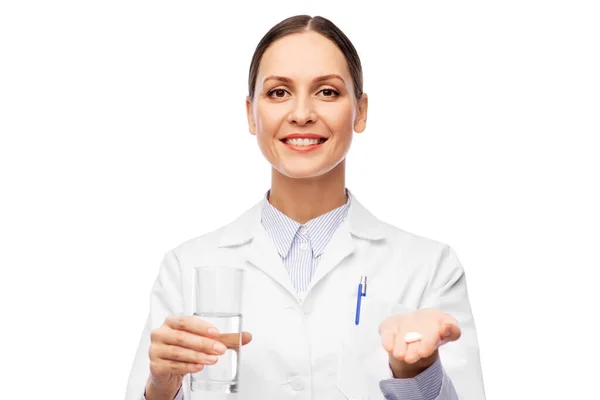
(302,142)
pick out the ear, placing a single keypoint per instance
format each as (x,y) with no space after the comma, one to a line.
(360,121)
(250,115)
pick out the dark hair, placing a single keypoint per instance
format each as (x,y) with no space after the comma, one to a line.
(303,23)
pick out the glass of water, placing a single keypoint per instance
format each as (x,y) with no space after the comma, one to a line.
(218,301)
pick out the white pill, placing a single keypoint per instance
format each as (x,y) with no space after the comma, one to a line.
(411,337)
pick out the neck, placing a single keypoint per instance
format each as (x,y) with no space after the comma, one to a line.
(305,199)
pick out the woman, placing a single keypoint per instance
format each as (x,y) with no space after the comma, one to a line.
(304,248)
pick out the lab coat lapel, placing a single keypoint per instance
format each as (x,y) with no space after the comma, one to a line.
(249,237)
(248,234)
(359,225)
(263,255)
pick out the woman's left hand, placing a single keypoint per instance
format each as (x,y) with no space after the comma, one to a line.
(435,327)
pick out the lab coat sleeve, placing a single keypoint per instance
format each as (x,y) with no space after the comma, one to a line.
(165,299)
(447,291)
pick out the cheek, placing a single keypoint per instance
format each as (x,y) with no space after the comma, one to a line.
(269,118)
(268,125)
(341,123)
(268,122)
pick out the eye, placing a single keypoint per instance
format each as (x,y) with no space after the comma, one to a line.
(330,92)
(277,92)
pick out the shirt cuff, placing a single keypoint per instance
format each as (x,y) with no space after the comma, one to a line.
(178,396)
(425,386)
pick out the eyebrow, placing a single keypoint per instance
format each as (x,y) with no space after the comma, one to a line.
(316,80)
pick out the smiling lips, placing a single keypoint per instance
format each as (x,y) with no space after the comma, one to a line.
(303,142)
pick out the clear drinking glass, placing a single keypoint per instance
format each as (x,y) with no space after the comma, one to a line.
(218,300)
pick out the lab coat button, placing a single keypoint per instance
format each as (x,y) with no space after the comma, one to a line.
(303,246)
(297,384)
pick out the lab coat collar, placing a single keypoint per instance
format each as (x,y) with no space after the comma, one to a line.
(361,222)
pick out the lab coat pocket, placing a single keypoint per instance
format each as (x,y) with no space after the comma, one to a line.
(362,360)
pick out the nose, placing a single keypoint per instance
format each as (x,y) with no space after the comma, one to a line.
(303,111)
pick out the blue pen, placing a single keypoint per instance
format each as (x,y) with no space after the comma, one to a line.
(362,291)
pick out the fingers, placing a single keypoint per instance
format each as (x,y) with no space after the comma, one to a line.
(192,324)
(185,344)
(176,353)
(412,353)
(400,347)
(232,340)
(190,341)
(195,334)
(388,340)
(425,348)
(449,332)
(246,338)
(161,367)
(168,337)
(450,329)
(179,352)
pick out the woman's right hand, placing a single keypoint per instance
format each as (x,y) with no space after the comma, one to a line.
(183,345)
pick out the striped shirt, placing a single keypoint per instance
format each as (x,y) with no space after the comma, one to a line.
(300,247)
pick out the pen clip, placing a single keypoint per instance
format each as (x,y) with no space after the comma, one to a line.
(363,282)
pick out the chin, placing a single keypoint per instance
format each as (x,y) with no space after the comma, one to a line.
(305,171)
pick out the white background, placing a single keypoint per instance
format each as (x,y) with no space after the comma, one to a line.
(123,133)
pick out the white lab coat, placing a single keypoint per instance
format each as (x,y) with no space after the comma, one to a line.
(307,346)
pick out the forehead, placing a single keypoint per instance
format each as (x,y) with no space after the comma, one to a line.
(303,55)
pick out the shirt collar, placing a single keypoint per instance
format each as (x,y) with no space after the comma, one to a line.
(282,229)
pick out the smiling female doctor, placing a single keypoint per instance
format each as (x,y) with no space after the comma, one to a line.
(304,248)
